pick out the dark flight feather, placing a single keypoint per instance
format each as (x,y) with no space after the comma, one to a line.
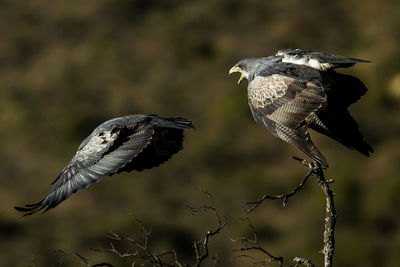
(334,120)
(134,142)
(319,60)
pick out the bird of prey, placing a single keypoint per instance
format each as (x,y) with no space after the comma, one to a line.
(133,142)
(299,89)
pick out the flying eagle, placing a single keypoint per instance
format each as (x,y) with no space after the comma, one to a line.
(133,142)
(299,89)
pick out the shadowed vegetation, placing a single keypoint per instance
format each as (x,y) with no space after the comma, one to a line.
(67,66)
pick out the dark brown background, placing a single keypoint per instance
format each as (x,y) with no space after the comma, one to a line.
(66,66)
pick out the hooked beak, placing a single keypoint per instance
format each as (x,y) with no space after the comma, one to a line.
(237,69)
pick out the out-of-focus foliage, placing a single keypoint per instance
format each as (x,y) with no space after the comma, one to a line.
(66,66)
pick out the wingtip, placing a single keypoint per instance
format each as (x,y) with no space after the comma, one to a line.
(324,165)
(366,151)
(30,209)
(183,123)
(362,60)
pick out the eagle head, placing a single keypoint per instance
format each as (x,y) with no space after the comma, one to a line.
(242,69)
(248,67)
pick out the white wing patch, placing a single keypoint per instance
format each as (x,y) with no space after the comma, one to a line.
(304,60)
(265,90)
(97,143)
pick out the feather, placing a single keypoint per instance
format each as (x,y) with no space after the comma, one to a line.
(133,142)
(298,89)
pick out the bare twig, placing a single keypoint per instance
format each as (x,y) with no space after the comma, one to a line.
(82,259)
(142,251)
(285,197)
(247,244)
(306,262)
(315,170)
(201,247)
(145,255)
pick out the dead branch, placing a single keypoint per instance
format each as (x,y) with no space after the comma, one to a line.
(142,252)
(201,247)
(330,218)
(81,258)
(315,170)
(247,244)
(285,197)
(297,261)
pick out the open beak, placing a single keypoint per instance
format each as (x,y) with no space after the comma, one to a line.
(237,69)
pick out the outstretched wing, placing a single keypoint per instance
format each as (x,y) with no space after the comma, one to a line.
(343,90)
(318,60)
(133,142)
(282,104)
(334,120)
(166,141)
(104,154)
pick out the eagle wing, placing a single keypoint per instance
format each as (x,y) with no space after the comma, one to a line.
(334,120)
(282,103)
(318,60)
(122,144)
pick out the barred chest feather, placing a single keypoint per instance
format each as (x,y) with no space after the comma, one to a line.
(264,90)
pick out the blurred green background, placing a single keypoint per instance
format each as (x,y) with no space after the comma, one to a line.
(66,66)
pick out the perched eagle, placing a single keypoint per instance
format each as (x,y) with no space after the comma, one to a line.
(298,89)
(133,142)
